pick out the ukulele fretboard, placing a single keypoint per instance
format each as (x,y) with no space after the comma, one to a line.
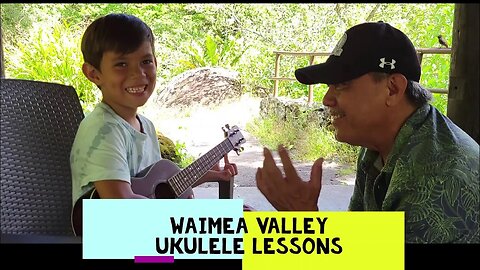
(188,176)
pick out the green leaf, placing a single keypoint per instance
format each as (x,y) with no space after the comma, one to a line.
(211,51)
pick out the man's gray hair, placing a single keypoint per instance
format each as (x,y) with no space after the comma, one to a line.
(416,93)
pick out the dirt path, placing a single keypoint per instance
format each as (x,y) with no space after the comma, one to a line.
(200,130)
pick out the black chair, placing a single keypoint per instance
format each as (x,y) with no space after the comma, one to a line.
(39,121)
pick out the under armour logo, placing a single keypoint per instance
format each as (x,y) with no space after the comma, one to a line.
(383,63)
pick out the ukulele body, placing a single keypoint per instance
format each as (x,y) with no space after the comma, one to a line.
(152,181)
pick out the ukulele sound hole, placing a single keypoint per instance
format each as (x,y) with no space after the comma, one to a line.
(164,191)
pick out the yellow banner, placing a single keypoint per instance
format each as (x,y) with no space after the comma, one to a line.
(324,240)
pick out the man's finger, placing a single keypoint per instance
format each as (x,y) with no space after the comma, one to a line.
(263,182)
(290,171)
(269,166)
(316,174)
(259,180)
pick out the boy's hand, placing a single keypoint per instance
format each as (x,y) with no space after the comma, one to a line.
(229,170)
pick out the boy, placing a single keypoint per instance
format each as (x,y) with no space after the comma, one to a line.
(114,143)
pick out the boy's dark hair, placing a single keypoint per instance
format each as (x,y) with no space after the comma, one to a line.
(121,33)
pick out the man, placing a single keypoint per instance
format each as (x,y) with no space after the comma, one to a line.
(412,158)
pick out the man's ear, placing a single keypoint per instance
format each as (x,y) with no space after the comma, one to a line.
(91,73)
(397,85)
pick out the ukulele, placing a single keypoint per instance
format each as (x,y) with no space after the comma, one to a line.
(165,180)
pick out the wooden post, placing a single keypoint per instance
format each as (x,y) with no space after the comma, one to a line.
(420,57)
(2,67)
(275,82)
(310,87)
(463,89)
(225,189)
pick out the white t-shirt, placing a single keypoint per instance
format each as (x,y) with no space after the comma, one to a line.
(108,147)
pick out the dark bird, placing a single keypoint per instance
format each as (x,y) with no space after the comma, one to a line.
(442,41)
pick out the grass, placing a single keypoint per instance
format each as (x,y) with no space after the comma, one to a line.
(349,170)
(306,141)
(185,157)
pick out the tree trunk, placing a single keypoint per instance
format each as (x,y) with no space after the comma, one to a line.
(463,89)
(2,67)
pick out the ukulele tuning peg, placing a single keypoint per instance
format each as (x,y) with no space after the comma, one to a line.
(238,150)
(227,126)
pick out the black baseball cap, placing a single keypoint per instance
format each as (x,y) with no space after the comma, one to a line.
(367,47)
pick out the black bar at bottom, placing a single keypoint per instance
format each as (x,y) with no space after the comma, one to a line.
(69,256)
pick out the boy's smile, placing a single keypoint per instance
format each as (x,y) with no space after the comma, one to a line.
(136,90)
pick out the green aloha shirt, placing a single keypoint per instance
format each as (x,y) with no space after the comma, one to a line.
(431,174)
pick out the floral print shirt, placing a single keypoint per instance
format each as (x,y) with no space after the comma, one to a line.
(431,174)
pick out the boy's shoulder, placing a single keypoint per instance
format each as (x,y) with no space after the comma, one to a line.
(102,120)
(100,114)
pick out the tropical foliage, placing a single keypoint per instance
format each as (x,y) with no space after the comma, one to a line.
(42,42)
(214,52)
